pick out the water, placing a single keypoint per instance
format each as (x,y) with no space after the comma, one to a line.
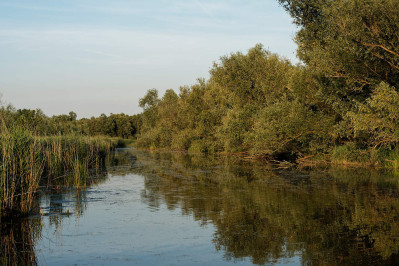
(176,209)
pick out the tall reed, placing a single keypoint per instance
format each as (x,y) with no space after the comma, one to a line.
(27,160)
(20,170)
(74,155)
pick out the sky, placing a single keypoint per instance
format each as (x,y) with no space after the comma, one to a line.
(101,56)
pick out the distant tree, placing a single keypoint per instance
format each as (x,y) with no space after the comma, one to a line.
(72,116)
(150,100)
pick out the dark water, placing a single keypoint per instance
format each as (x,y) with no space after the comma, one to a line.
(176,209)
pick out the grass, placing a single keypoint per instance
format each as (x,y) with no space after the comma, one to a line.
(26,161)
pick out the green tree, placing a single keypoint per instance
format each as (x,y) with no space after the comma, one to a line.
(290,128)
(377,119)
(258,77)
(354,41)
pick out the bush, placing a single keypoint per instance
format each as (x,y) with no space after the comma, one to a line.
(290,127)
(182,140)
(349,152)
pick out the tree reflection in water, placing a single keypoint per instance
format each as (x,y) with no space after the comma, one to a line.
(326,217)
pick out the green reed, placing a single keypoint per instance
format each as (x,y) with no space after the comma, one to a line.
(75,155)
(20,170)
(27,161)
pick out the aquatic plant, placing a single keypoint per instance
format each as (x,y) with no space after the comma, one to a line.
(20,170)
(27,160)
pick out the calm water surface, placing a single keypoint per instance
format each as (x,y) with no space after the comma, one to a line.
(176,209)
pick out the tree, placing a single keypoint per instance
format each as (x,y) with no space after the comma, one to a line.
(355,42)
(378,118)
(72,116)
(150,100)
(257,77)
(350,47)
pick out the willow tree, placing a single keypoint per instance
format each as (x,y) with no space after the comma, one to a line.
(352,47)
(257,78)
(355,41)
(247,83)
(150,118)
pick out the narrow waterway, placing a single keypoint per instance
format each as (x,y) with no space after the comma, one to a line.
(177,209)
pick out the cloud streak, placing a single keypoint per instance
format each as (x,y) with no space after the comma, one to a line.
(35,7)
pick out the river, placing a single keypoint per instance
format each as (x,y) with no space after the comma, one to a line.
(160,208)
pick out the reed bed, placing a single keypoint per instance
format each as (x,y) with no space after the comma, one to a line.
(26,161)
(75,155)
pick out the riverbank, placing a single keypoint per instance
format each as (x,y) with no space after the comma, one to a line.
(341,156)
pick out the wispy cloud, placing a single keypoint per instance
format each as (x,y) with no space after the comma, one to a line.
(127,10)
(36,7)
(103,53)
(205,9)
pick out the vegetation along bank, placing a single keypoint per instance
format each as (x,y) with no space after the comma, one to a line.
(340,105)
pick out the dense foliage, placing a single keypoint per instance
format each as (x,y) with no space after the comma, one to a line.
(342,100)
(36,122)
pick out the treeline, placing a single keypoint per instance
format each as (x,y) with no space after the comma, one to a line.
(36,122)
(341,103)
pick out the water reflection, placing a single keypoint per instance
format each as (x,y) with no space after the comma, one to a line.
(258,212)
(325,217)
(17,242)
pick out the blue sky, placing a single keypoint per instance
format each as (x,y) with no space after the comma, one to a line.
(97,56)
